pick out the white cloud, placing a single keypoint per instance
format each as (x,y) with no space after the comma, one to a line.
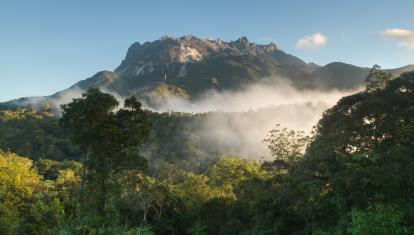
(312,42)
(405,37)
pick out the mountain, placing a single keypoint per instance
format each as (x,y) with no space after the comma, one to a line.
(343,76)
(197,65)
(189,66)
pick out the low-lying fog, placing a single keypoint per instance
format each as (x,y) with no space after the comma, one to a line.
(238,121)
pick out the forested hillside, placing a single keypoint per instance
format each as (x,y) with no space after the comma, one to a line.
(192,141)
(101,169)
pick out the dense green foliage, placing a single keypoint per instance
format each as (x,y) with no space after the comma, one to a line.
(354,176)
(28,202)
(191,141)
(35,133)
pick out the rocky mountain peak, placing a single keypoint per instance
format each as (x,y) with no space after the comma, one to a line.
(271,47)
(166,37)
(143,58)
(241,44)
(190,49)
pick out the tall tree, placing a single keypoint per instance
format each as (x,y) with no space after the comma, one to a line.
(377,79)
(287,145)
(110,140)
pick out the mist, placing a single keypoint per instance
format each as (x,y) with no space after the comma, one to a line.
(236,122)
(260,95)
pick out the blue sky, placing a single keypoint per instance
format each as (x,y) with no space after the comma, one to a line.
(46,46)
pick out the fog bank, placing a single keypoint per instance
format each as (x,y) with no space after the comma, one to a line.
(238,121)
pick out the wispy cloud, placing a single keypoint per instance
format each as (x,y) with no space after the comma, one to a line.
(404,37)
(312,42)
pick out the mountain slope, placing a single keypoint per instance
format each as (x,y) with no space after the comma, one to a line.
(343,76)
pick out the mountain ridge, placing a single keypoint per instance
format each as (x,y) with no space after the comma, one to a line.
(189,66)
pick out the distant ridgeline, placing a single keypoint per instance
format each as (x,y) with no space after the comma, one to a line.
(187,67)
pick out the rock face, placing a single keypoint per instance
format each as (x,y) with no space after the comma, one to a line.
(187,49)
(188,57)
(188,66)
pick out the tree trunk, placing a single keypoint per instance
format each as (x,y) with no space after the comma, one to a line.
(102,196)
(82,188)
